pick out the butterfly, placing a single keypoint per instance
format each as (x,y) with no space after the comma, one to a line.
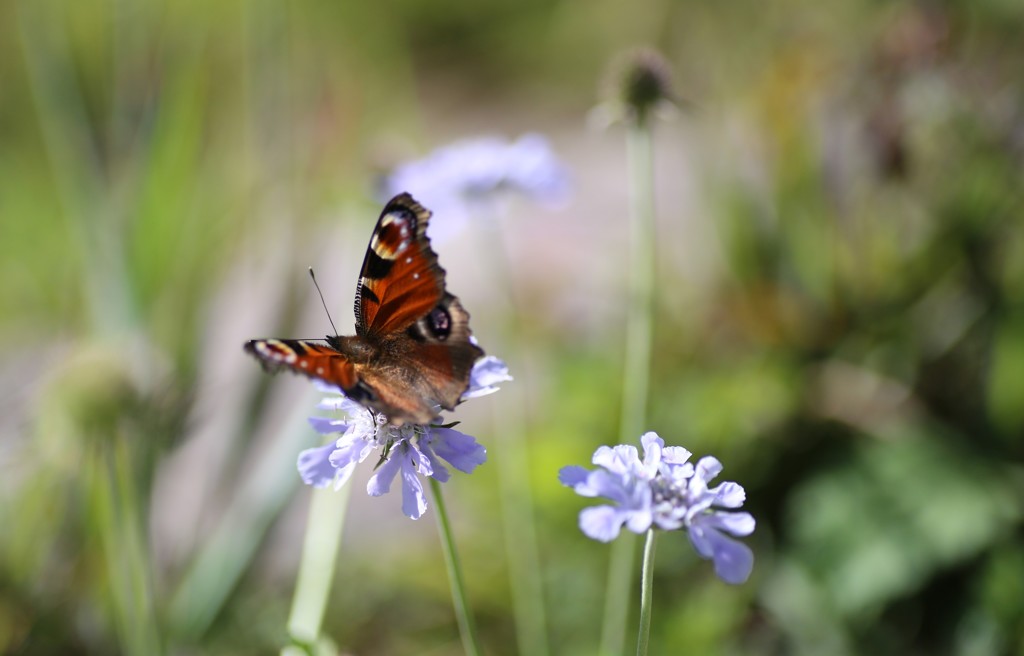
(413,351)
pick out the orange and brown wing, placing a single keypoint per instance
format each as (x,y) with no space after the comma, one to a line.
(414,347)
(304,357)
(426,367)
(400,281)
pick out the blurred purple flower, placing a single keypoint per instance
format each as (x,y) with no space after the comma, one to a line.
(464,178)
(413,450)
(665,491)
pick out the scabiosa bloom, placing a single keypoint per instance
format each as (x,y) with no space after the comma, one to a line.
(665,491)
(465,177)
(413,450)
(637,85)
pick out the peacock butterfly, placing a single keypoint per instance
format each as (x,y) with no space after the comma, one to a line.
(413,351)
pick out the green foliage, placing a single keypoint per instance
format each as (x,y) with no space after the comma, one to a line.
(852,347)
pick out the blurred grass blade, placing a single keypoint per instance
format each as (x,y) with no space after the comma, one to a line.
(115,502)
(513,460)
(226,556)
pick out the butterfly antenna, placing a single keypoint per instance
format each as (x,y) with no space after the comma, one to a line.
(324,303)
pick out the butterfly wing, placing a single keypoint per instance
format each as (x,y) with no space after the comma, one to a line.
(426,367)
(423,330)
(304,357)
(400,281)
(413,350)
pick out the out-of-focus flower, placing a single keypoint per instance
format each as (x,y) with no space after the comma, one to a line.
(638,83)
(413,450)
(665,491)
(466,178)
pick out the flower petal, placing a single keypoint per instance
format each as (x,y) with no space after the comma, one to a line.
(315,466)
(461,450)
(675,455)
(620,459)
(601,522)
(603,483)
(380,482)
(573,475)
(679,473)
(729,495)
(344,473)
(707,468)
(326,425)
(639,520)
(733,560)
(739,523)
(653,446)
(437,469)
(334,403)
(465,178)
(327,388)
(414,502)
(350,451)
(534,169)
(487,372)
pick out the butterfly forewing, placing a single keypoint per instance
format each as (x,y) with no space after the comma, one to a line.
(400,279)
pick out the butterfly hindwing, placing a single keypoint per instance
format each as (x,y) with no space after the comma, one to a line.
(445,352)
(426,367)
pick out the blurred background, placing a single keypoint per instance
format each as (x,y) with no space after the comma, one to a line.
(839,315)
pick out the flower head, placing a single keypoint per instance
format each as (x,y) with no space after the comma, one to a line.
(666,491)
(466,177)
(638,83)
(413,450)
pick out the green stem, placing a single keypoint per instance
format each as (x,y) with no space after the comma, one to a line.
(646,594)
(125,550)
(513,461)
(639,328)
(316,569)
(470,642)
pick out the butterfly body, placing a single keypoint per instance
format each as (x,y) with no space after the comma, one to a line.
(413,351)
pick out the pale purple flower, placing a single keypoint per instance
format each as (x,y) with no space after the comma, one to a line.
(412,450)
(465,178)
(665,491)
(487,372)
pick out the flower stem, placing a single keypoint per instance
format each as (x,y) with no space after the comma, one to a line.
(646,594)
(451,559)
(639,328)
(513,461)
(316,569)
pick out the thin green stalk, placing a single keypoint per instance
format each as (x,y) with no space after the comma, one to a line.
(521,551)
(125,551)
(637,367)
(646,594)
(513,463)
(316,569)
(639,326)
(467,630)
